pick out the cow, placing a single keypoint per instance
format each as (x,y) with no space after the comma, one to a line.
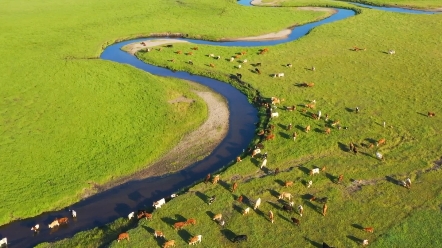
(123,236)
(215,179)
(264,163)
(195,239)
(189,53)
(286,208)
(300,210)
(276,171)
(217,217)
(294,136)
(212,199)
(246,211)
(289,65)
(340,178)
(231,59)
(335,123)
(309,183)
(257,204)
(178,52)
(159,203)
(281,74)
(243,52)
(431,114)
(169,244)
(35,228)
(191,221)
(211,55)
(391,52)
(285,195)
(179,225)
(290,108)
(239,75)
(292,203)
(257,71)
(327,131)
(365,242)
(313,68)
(194,48)
(244,61)
(131,215)
(314,171)
(63,220)
(148,216)
(212,65)
(140,214)
(307,129)
(270,137)
(369,229)
(274,115)
(221,222)
(234,186)
(295,221)
(255,152)
(289,127)
(271,217)
(218,57)
(159,234)
(54,224)
(207,178)
(73,213)
(239,238)
(408,183)
(3,241)
(379,156)
(324,209)
(381,142)
(190,62)
(238,66)
(288,183)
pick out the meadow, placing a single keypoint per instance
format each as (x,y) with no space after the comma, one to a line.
(397,89)
(70,120)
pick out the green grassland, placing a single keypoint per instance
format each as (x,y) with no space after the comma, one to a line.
(398,89)
(68,118)
(414,4)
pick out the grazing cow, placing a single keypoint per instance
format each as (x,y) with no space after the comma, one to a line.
(194,48)
(240,198)
(270,137)
(195,239)
(264,156)
(217,57)
(207,178)
(243,52)
(239,238)
(311,106)
(234,186)
(381,142)
(212,199)
(369,229)
(179,225)
(292,203)
(191,221)
(211,55)
(379,156)
(309,183)
(217,217)
(148,216)
(73,213)
(290,108)
(358,49)
(355,150)
(159,203)
(264,163)
(238,66)
(273,115)
(289,127)
(285,195)
(314,171)
(294,136)
(178,52)
(246,211)
(3,241)
(231,59)
(257,71)
(244,61)
(255,152)
(238,75)
(149,49)
(431,114)
(365,242)
(391,52)
(307,129)
(340,178)
(212,65)
(63,220)
(169,243)
(408,183)
(215,179)
(295,221)
(35,228)
(313,68)
(54,224)
(288,183)
(335,123)
(257,204)
(189,53)
(327,131)
(300,210)
(158,234)
(140,214)
(289,65)
(324,209)
(123,236)
(351,146)
(271,217)
(287,208)
(281,74)
(190,62)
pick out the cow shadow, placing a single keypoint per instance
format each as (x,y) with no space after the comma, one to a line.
(392,180)
(159,241)
(284,135)
(304,170)
(185,235)
(274,205)
(256,64)
(357,240)
(224,184)
(318,130)
(357,226)
(180,218)
(314,207)
(426,115)
(343,147)
(210,214)
(237,208)
(265,170)
(331,177)
(282,126)
(255,161)
(313,243)
(350,110)
(122,209)
(228,234)
(273,192)
(135,196)
(169,221)
(300,128)
(307,197)
(280,182)
(259,212)
(202,196)
(370,140)
(284,218)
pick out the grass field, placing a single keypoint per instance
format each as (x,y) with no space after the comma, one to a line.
(68,118)
(414,4)
(398,89)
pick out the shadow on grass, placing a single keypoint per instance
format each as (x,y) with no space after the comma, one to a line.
(169,221)
(273,192)
(350,110)
(284,218)
(318,130)
(370,140)
(392,180)
(274,205)
(307,197)
(314,207)
(202,196)
(180,218)
(228,234)
(210,214)
(284,135)
(185,235)
(343,147)
(255,161)
(280,182)
(331,177)
(426,115)
(313,243)
(300,128)
(357,226)
(224,184)
(304,169)
(356,240)
(237,208)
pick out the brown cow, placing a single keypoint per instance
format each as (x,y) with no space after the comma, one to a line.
(211,65)
(327,131)
(217,217)
(431,114)
(238,159)
(288,183)
(207,178)
(215,179)
(240,198)
(63,220)
(234,187)
(311,106)
(169,244)
(158,234)
(123,236)
(271,216)
(148,216)
(270,137)
(295,221)
(191,221)
(179,225)
(335,123)
(340,178)
(369,229)
(194,48)
(324,209)
(381,142)
(178,52)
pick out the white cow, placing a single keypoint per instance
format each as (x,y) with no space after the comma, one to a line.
(4,241)
(275,114)
(74,214)
(257,204)
(232,59)
(309,184)
(131,215)
(264,163)
(365,242)
(300,210)
(408,183)
(35,228)
(218,57)
(244,61)
(379,155)
(159,203)
(314,171)
(246,211)
(391,52)
(278,75)
(239,66)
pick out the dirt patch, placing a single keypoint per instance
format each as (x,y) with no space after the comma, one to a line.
(181,99)
(356,185)
(132,48)
(189,150)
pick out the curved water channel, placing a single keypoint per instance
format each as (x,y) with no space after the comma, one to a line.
(110,205)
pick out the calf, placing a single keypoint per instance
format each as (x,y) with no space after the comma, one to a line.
(288,209)
(246,211)
(369,229)
(217,217)
(285,195)
(239,238)
(35,228)
(123,236)
(288,183)
(169,244)
(195,239)
(159,203)
(295,221)
(179,225)
(159,234)
(257,204)
(314,171)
